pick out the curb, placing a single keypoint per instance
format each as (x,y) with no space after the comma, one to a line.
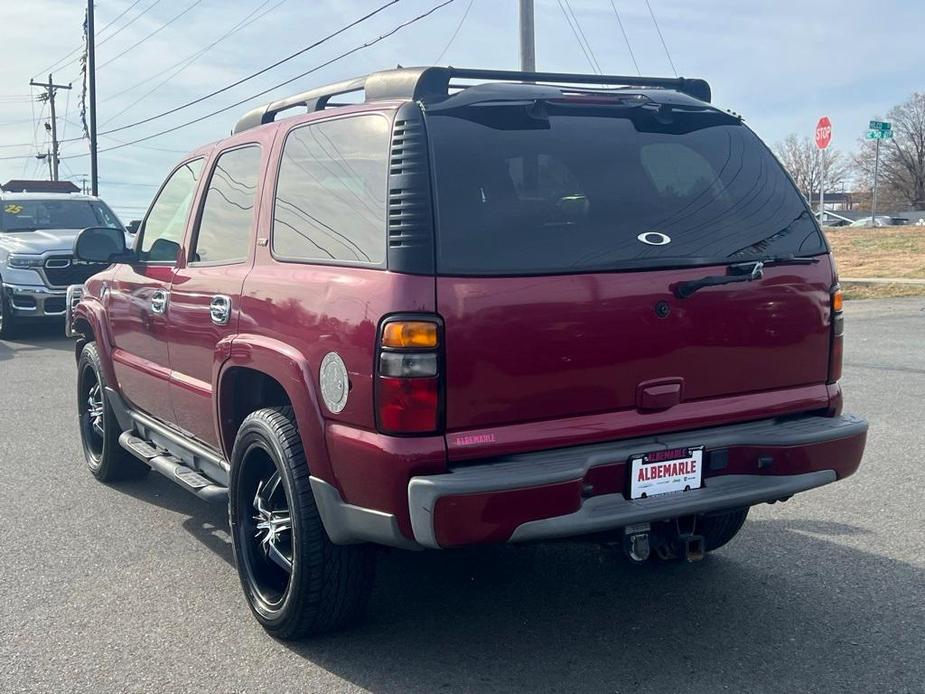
(881,280)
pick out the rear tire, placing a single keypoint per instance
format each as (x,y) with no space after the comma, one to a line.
(296,581)
(99,428)
(719,529)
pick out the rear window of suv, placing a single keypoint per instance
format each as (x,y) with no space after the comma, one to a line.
(556,188)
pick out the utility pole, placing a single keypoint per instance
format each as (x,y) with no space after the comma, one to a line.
(91,88)
(50,89)
(47,157)
(527,37)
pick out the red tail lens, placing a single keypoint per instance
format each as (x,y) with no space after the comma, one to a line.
(408,405)
(837,349)
(408,380)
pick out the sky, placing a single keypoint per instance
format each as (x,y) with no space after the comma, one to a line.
(779,63)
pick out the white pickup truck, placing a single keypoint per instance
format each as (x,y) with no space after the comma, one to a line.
(37,232)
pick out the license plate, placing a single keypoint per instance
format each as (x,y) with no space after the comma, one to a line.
(666,472)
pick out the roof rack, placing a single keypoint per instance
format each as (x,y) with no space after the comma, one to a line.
(415,83)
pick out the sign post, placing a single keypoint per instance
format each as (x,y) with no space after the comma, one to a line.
(878,130)
(823,138)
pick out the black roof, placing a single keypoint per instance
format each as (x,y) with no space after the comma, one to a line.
(28,186)
(435,84)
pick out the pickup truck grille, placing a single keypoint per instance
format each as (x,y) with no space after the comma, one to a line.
(62,270)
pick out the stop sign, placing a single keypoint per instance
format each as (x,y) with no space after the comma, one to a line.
(823,132)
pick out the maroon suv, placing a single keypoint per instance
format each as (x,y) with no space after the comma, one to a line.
(477,307)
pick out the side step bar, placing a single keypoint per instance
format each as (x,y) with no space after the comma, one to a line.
(173,469)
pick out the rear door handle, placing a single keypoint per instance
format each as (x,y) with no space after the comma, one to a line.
(159,302)
(220,309)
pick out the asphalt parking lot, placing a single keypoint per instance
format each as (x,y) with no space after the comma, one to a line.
(131,587)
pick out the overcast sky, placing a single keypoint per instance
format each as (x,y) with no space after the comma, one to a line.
(780,63)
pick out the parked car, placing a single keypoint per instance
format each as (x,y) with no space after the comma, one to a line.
(881,221)
(506,312)
(39,221)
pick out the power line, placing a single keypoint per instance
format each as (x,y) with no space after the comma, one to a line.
(459,26)
(568,5)
(575,33)
(148,36)
(662,39)
(255,74)
(193,56)
(18,122)
(128,23)
(335,59)
(247,21)
(626,38)
(60,63)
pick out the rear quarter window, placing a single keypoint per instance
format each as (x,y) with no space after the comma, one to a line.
(330,202)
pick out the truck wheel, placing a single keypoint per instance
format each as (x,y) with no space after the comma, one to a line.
(7,321)
(296,581)
(720,528)
(99,428)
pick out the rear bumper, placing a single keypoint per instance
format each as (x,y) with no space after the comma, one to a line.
(27,301)
(574,491)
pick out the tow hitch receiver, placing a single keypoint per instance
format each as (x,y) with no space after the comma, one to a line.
(693,547)
(690,544)
(676,539)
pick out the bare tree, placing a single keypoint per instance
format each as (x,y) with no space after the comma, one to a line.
(902,158)
(804,161)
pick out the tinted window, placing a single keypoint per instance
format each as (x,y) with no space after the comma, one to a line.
(166,222)
(30,214)
(330,199)
(228,211)
(566,189)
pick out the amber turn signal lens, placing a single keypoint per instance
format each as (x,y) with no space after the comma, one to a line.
(837,300)
(419,334)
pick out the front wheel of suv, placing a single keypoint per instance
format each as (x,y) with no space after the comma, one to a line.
(296,581)
(99,428)
(7,320)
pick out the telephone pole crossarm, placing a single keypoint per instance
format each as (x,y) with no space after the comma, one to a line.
(50,90)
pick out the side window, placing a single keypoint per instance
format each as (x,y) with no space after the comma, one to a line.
(228,212)
(164,226)
(330,197)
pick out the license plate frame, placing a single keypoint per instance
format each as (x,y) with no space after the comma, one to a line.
(657,473)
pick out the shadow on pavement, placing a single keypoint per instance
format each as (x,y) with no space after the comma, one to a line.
(783,607)
(36,337)
(810,615)
(206,522)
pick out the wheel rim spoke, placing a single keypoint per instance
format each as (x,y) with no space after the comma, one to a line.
(95,412)
(278,558)
(272,521)
(272,486)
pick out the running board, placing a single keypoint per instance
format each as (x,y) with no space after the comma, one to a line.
(173,469)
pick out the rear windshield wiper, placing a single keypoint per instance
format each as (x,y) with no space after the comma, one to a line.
(740,272)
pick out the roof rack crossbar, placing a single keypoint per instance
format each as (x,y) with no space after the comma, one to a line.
(422,82)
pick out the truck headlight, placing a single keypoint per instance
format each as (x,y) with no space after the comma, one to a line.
(25,262)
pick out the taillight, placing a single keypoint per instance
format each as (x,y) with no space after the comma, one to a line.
(408,376)
(836,350)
